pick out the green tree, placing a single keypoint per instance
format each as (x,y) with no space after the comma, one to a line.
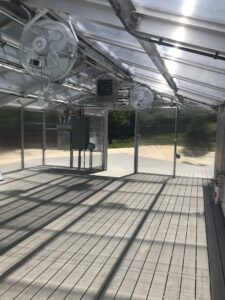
(121,124)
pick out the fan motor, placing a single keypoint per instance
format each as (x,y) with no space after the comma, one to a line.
(40,45)
(48,49)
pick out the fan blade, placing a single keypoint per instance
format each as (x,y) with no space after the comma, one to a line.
(53,58)
(60,55)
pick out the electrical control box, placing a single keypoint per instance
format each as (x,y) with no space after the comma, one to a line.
(80,132)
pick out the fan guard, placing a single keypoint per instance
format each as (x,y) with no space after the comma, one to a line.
(47,97)
(48,50)
(141,97)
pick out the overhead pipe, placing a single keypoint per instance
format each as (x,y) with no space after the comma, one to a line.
(11,15)
(160,41)
(12,66)
(125,11)
(25,96)
(91,46)
(83,43)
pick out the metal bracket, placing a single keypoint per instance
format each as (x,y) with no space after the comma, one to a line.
(39,15)
(126,12)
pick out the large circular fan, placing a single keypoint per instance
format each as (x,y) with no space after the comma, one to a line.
(141,98)
(48,50)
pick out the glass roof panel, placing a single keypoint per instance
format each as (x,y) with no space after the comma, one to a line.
(212,10)
(107,33)
(191,57)
(199,89)
(196,75)
(153,79)
(130,56)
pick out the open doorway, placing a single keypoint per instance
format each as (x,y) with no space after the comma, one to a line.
(196,142)
(121,126)
(156,141)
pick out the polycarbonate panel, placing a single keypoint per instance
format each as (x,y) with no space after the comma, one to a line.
(213,10)
(33,131)
(156,141)
(10,140)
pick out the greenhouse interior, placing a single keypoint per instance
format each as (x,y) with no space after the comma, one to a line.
(112,149)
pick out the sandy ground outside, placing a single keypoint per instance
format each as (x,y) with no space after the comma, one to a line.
(166,152)
(161,152)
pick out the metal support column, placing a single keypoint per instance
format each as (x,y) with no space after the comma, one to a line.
(43,137)
(71,151)
(105,141)
(90,159)
(175,144)
(22,137)
(79,159)
(136,135)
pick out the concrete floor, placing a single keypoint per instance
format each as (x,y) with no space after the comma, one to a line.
(70,236)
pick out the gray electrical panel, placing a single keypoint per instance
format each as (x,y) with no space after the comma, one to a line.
(80,132)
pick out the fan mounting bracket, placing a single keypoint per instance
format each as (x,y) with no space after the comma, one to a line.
(39,15)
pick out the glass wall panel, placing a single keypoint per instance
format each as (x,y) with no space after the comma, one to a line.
(10,139)
(196,142)
(156,141)
(32,138)
(58,138)
(97,138)
(121,143)
(57,151)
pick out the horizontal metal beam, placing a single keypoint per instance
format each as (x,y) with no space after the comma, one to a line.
(191,32)
(100,12)
(125,10)
(11,15)
(153,53)
(92,10)
(92,50)
(11,95)
(167,28)
(6,25)
(126,44)
(201,97)
(183,78)
(195,70)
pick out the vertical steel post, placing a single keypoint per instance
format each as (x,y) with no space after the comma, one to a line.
(136,134)
(43,137)
(22,136)
(71,150)
(79,159)
(90,159)
(175,144)
(105,141)
(84,159)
